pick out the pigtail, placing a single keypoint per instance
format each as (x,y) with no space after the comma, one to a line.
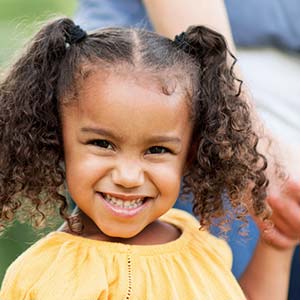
(31,147)
(227,161)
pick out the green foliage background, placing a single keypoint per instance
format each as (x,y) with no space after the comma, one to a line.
(19,19)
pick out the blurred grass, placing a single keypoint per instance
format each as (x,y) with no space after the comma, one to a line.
(18,21)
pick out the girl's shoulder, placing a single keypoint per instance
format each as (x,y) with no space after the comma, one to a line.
(29,267)
(38,253)
(200,240)
(48,264)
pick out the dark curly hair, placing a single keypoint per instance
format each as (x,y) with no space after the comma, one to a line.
(223,161)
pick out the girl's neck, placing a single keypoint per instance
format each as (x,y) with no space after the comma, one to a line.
(157,232)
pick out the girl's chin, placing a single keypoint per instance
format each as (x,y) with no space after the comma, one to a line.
(119,236)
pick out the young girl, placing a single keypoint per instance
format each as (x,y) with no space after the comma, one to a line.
(119,117)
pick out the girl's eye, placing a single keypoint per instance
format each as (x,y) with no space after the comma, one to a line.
(158,150)
(101,143)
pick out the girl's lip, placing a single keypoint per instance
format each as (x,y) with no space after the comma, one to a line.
(126,197)
(122,211)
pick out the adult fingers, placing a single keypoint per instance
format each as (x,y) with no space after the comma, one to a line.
(286,213)
(285,227)
(274,237)
(292,189)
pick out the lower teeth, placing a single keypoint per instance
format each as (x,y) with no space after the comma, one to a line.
(125,206)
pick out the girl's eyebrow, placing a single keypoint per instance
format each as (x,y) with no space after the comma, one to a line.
(151,140)
(101,131)
(165,139)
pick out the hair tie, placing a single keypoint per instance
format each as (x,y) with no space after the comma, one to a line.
(181,42)
(75,35)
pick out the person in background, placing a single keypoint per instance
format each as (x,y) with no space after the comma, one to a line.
(269,33)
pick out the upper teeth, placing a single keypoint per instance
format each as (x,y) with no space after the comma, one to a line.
(123,203)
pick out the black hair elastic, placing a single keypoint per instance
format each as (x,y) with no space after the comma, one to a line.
(181,42)
(75,35)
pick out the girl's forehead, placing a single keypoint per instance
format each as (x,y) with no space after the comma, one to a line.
(134,88)
(167,82)
(138,90)
(128,104)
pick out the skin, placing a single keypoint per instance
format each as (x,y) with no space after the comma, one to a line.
(170,19)
(130,142)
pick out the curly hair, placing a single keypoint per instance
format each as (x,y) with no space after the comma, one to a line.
(223,159)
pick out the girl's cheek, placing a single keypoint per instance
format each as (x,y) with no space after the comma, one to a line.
(87,165)
(168,175)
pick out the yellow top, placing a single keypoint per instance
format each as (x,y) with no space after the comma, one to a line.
(196,266)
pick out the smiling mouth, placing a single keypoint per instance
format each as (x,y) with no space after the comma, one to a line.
(121,203)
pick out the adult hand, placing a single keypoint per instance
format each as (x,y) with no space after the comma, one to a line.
(283,231)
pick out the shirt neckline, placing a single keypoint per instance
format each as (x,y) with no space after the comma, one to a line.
(117,247)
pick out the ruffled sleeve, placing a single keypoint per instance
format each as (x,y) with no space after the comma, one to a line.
(51,268)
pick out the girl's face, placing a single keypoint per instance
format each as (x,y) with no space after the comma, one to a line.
(125,146)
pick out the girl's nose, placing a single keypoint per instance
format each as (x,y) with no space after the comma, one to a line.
(128,174)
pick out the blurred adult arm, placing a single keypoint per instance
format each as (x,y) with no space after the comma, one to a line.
(170,18)
(270,265)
